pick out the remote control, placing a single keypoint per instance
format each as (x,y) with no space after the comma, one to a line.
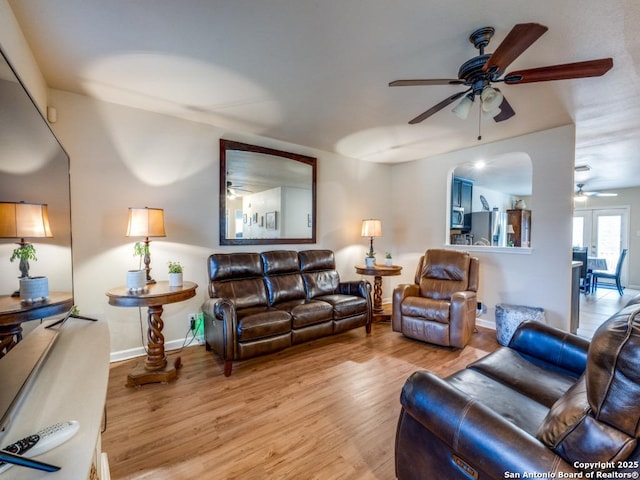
(42,441)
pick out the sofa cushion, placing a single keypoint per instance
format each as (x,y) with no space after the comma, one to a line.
(227,266)
(613,371)
(520,410)
(250,292)
(571,431)
(313,260)
(321,283)
(427,308)
(344,305)
(278,262)
(511,368)
(261,322)
(443,273)
(306,312)
(282,288)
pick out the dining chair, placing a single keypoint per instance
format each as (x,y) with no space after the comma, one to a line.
(597,274)
(580,255)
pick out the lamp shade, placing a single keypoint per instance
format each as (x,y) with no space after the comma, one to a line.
(21,219)
(371,228)
(491,99)
(146,222)
(462,109)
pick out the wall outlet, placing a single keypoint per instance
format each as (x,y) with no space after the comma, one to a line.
(193,321)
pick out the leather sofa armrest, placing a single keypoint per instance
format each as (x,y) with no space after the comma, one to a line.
(401,292)
(475,432)
(462,317)
(551,345)
(358,288)
(220,326)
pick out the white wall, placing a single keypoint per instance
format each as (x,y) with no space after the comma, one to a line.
(539,278)
(123,157)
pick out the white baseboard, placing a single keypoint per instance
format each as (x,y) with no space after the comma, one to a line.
(483,322)
(141,352)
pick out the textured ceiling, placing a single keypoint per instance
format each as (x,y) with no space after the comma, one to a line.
(315,73)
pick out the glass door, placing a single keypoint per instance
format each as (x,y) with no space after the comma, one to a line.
(605,232)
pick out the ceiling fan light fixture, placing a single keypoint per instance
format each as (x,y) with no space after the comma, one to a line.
(464,107)
(491,99)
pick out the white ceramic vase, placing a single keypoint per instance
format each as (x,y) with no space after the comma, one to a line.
(388,262)
(136,280)
(369,261)
(175,279)
(34,289)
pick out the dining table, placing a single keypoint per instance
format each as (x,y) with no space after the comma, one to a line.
(596,263)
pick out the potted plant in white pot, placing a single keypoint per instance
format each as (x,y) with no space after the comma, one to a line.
(370,259)
(175,274)
(388,260)
(137,279)
(32,289)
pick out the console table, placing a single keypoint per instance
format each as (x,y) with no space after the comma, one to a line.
(378,271)
(155,368)
(71,384)
(13,312)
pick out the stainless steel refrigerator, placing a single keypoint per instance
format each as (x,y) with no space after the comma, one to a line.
(489,228)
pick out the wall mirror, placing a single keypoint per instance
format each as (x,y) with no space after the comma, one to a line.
(267,196)
(33,168)
(479,207)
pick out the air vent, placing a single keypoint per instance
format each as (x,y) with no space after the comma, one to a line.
(582,168)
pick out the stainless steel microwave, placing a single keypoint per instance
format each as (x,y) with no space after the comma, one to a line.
(457,217)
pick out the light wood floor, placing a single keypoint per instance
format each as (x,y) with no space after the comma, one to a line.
(326,409)
(598,306)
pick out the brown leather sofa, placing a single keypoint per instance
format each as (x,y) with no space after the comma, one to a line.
(440,307)
(550,402)
(263,302)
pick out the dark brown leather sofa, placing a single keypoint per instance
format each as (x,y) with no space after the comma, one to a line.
(263,302)
(550,402)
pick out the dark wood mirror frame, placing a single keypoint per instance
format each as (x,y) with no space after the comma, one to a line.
(229,145)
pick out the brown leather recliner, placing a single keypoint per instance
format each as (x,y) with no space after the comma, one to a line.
(440,307)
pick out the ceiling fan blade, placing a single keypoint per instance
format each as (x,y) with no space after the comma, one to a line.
(438,107)
(521,37)
(506,111)
(432,81)
(590,68)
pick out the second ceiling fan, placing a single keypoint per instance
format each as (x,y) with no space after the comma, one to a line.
(480,72)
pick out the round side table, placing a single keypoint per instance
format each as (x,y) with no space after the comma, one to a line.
(155,368)
(378,271)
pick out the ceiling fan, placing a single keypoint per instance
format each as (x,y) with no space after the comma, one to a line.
(581,195)
(480,72)
(234,191)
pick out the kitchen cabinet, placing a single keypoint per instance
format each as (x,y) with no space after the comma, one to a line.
(520,220)
(461,197)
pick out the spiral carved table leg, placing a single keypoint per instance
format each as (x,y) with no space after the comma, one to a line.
(156,358)
(155,368)
(377,294)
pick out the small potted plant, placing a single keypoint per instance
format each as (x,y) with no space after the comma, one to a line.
(137,279)
(370,259)
(388,260)
(175,274)
(31,288)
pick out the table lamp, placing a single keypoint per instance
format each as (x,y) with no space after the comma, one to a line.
(146,222)
(24,220)
(371,228)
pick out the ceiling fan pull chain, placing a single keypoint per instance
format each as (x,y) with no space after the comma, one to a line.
(479,124)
